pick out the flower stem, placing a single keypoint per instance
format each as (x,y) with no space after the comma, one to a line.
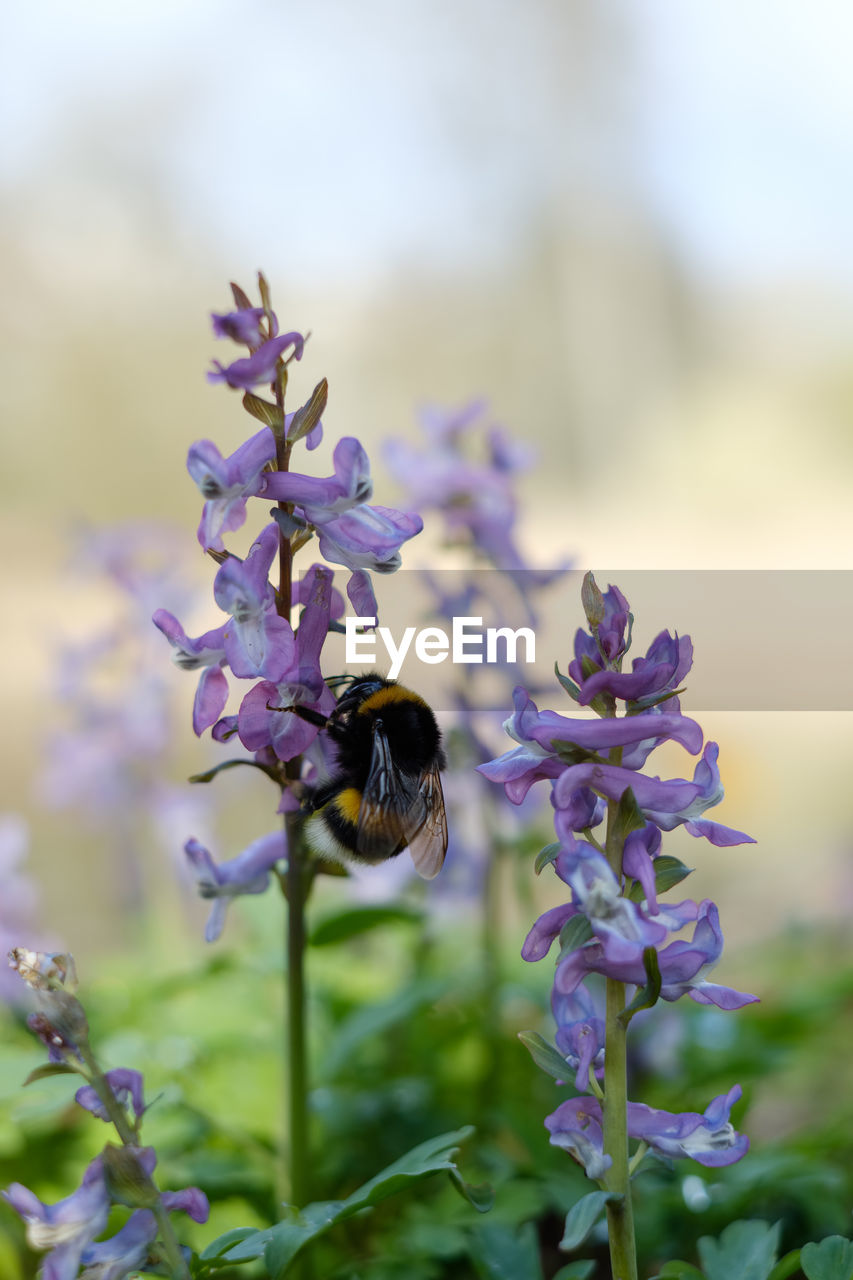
(295,884)
(130,1138)
(620,1212)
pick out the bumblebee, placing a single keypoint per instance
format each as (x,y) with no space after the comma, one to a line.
(386,792)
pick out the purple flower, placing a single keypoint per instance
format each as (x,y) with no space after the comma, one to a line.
(226,483)
(320,499)
(368,537)
(248,872)
(706,776)
(67,1227)
(528,724)
(114,1258)
(257,641)
(682,963)
(667,661)
(710,1139)
(262,721)
(260,366)
(580,1033)
(576,1126)
(206,652)
(126,1087)
(240,326)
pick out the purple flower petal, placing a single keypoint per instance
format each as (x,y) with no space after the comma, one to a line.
(576,1126)
(710,1139)
(260,366)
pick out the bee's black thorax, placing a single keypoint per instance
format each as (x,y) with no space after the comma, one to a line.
(408,723)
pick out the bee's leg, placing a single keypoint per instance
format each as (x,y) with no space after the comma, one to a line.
(304,713)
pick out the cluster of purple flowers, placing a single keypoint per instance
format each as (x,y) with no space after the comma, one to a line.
(257,641)
(67,1231)
(614,924)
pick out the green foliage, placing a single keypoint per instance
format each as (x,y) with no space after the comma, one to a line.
(409,1039)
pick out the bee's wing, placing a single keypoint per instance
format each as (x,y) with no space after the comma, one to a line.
(427,837)
(391,804)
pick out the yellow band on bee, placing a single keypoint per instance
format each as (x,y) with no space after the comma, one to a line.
(348,804)
(389,693)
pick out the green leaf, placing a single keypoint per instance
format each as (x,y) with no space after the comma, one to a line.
(280,1244)
(306,418)
(546,856)
(831,1259)
(583,1216)
(372,1020)
(501,1252)
(51,1069)
(223,1243)
(786,1266)
(351,921)
(570,753)
(629,815)
(575,932)
(271,415)
(569,685)
(647,995)
(241,298)
(580,1269)
(746,1250)
(677,1270)
(210,774)
(545,1055)
(592,601)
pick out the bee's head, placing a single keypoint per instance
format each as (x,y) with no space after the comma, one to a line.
(361,687)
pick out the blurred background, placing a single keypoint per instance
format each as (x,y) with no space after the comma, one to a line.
(627,226)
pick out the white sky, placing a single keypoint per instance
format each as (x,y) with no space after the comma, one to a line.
(366,134)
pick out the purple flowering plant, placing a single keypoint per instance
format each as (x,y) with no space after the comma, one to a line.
(618,946)
(122,1174)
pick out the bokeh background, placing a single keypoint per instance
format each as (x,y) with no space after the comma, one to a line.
(627,226)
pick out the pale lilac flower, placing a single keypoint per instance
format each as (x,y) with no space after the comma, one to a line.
(205,652)
(226,483)
(67,1227)
(576,1126)
(248,872)
(709,1139)
(257,641)
(260,366)
(125,1085)
(241,326)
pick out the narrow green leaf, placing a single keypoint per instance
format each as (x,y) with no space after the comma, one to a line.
(746,1250)
(501,1252)
(545,1055)
(351,921)
(305,419)
(647,995)
(580,1269)
(210,774)
(51,1069)
(280,1244)
(241,298)
(575,932)
(592,601)
(629,815)
(271,415)
(677,1270)
(787,1266)
(583,1216)
(571,753)
(225,1242)
(831,1259)
(546,856)
(569,685)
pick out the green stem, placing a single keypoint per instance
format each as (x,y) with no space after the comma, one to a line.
(295,884)
(296,889)
(620,1213)
(130,1138)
